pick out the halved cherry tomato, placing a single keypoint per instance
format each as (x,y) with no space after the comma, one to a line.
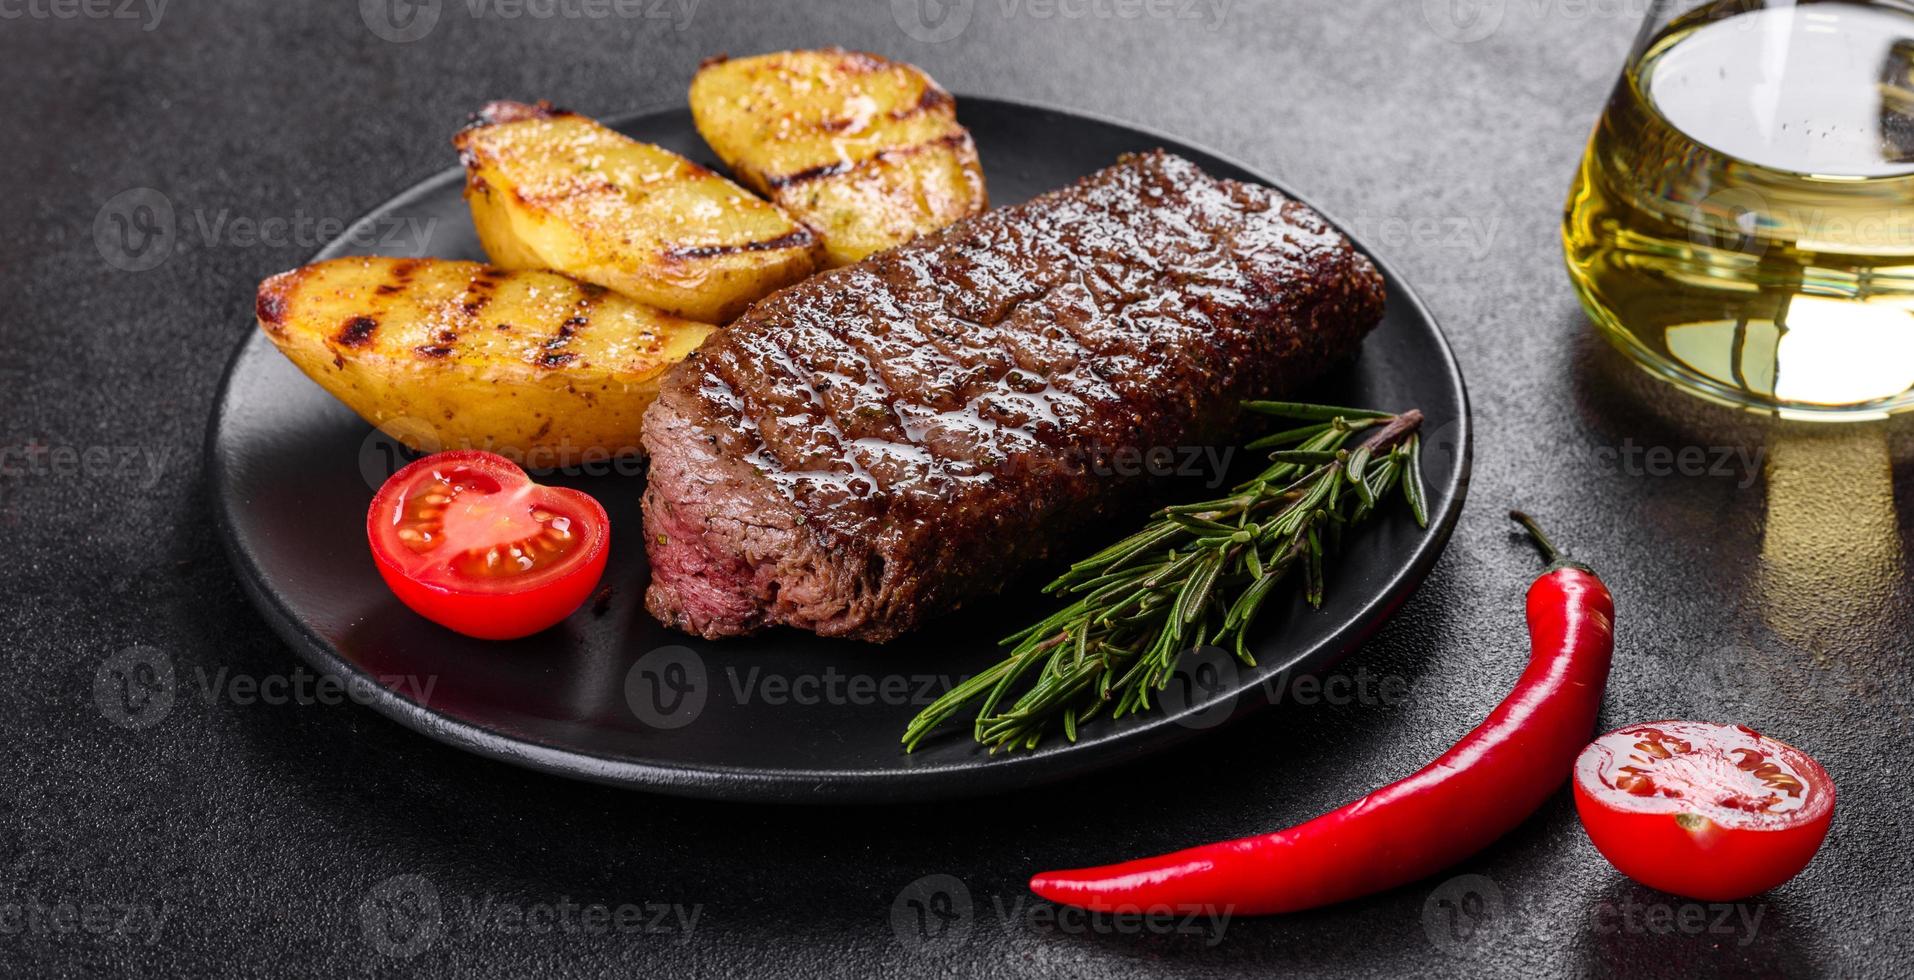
(1705,811)
(468,541)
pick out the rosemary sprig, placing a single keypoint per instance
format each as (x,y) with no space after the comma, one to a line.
(1196,576)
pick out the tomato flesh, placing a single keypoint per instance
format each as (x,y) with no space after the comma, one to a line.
(468,541)
(1705,811)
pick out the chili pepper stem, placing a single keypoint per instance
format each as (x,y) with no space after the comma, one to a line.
(1553,555)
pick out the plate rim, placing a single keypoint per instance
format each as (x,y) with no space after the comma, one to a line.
(748,784)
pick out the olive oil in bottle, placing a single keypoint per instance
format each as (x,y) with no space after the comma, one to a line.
(1743,221)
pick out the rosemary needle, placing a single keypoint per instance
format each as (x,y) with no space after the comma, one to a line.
(1196,576)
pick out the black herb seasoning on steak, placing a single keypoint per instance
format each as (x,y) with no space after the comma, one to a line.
(871,447)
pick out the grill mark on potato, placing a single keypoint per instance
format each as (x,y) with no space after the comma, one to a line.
(566,331)
(357,332)
(433,351)
(543,198)
(555,359)
(271,305)
(801,238)
(838,167)
(590,296)
(477,294)
(932,99)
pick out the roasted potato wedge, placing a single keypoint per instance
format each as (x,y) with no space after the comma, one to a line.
(551,189)
(865,151)
(445,355)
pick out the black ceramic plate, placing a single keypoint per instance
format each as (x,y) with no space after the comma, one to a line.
(612,696)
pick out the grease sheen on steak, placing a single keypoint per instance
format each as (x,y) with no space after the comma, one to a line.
(877,444)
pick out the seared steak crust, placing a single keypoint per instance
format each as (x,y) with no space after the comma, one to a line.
(875,445)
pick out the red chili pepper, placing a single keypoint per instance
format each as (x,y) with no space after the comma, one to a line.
(1477,791)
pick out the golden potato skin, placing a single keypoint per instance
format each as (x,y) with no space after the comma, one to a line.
(446,355)
(865,151)
(551,189)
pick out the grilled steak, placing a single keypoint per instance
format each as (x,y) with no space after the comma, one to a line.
(877,444)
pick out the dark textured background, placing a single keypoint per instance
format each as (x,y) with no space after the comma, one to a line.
(249,837)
